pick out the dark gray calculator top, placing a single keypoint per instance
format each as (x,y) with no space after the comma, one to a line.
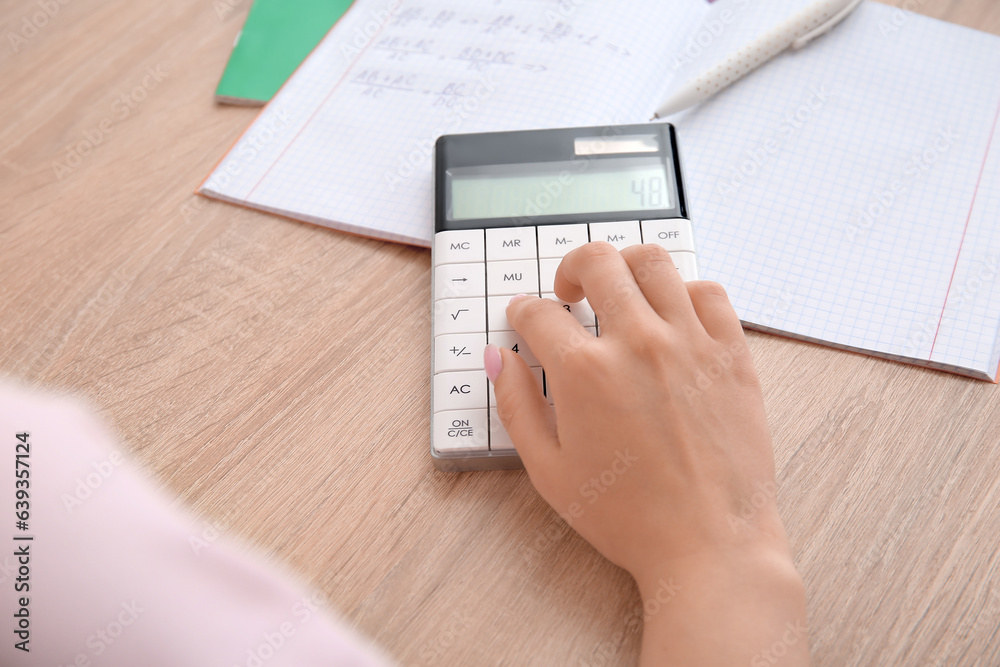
(546,177)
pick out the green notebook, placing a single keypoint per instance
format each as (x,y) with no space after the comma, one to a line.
(277,36)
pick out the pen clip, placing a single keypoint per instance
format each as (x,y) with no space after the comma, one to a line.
(826,27)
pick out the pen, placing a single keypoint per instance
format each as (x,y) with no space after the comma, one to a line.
(796,31)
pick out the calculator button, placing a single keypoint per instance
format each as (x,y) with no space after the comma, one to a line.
(452,281)
(686,263)
(535,370)
(462,431)
(672,235)
(459,316)
(496,311)
(459,352)
(518,277)
(557,240)
(460,391)
(455,247)
(619,234)
(499,439)
(512,341)
(547,274)
(510,243)
(582,311)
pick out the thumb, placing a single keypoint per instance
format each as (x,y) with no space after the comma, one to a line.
(523,409)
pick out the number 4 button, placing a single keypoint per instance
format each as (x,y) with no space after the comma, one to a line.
(512,341)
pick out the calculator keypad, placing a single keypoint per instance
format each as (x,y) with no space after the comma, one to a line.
(475,273)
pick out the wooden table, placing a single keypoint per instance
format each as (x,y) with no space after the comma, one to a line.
(275,376)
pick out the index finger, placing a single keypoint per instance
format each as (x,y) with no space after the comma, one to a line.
(547,328)
(599,272)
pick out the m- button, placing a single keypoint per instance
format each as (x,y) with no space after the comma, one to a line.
(556,240)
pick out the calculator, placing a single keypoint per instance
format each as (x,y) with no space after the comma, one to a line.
(508,207)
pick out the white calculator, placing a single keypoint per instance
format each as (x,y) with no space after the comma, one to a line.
(508,207)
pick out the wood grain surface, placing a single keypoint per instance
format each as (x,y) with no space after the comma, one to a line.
(275,377)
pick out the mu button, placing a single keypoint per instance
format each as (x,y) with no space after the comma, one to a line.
(516,277)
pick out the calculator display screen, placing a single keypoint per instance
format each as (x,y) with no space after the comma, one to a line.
(559,188)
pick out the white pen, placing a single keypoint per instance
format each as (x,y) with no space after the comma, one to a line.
(795,32)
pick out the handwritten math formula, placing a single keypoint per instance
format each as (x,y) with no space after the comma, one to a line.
(442,53)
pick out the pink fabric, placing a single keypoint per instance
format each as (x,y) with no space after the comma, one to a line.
(118,577)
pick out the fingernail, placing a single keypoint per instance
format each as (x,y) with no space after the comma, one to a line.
(493,362)
(516,298)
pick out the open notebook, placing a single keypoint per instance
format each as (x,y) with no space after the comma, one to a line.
(847,193)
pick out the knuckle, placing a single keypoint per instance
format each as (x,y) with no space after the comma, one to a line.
(744,371)
(708,288)
(598,249)
(650,261)
(711,288)
(529,309)
(648,252)
(659,347)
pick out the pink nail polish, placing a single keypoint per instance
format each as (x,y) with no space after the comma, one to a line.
(493,362)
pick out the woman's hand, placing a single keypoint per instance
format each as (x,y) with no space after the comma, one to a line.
(657,449)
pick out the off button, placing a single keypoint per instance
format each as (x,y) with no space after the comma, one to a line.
(673,235)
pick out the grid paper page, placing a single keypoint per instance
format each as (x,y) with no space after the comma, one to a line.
(848,193)
(348,141)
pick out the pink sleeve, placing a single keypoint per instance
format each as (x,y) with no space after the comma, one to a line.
(112,575)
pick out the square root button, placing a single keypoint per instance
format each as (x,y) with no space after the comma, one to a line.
(459,316)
